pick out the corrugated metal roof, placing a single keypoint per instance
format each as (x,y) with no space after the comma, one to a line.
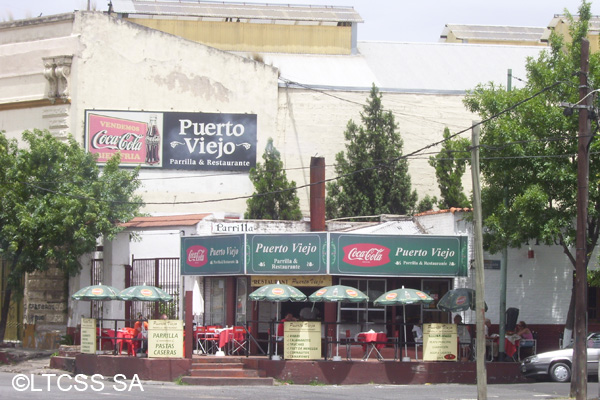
(446,68)
(254,11)
(406,227)
(165,221)
(497,33)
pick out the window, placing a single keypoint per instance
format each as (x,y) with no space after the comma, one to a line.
(360,317)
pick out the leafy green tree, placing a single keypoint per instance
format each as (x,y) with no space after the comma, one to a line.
(528,153)
(427,203)
(373,176)
(275,198)
(55,202)
(450,165)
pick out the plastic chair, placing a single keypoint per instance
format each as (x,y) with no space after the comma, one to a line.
(527,344)
(240,339)
(211,338)
(200,335)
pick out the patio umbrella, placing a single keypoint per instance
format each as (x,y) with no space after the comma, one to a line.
(277,292)
(341,294)
(97,293)
(144,293)
(402,297)
(457,300)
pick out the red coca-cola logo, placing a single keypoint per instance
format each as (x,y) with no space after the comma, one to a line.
(366,255)
(460,300)
(450,356)
(196,256)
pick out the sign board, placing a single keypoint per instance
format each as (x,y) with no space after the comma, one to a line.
(394,255)
(88,335)
(440,342)
(173,140)
(165,338)
(289,254)
(296,281)
(212,255)
(302,340)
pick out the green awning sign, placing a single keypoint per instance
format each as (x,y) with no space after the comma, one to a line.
(393,255)
(212,255)
(286,254)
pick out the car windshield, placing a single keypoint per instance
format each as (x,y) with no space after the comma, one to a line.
(593,341)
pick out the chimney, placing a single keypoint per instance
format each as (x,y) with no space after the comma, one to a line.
(317,194)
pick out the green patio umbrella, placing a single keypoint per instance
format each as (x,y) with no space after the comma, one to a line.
(403,297)
(97,292)
(340,294)
(277,292)
(144,293)
(457,300)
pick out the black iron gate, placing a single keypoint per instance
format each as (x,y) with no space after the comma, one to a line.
(159,272)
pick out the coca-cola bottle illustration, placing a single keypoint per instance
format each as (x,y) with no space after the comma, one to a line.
(152,142)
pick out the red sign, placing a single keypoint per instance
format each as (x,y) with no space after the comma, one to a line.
(146,292)
(366,255)
(97,291)
(391,296)
(108,136)
(197,256)
(277,291)
(321,292)
(351,293)
(461,300)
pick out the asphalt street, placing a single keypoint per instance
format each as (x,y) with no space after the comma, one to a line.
(52,384)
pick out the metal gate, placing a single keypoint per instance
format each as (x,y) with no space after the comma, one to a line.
(97,275)
(159,272)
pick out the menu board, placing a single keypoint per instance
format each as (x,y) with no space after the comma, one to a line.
(165,338)
(440,342)
(302,340)
(88,335)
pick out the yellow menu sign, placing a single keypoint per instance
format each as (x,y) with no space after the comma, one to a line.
(302,340)
(88,335)
(440,342)
(165,338)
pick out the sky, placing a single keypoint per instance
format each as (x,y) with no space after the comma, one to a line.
(384,20)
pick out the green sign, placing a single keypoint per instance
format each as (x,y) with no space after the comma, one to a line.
(286,254)
(387,255)
(212,255)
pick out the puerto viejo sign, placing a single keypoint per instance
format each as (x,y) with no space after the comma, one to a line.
(290,254)
(392,255)
(173,140)
(212,255)
(319,253)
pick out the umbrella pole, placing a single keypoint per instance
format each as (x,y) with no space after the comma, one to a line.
(405,345)
(276,356)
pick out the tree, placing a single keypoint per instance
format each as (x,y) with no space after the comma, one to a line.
(529,152)
(450,165)
(373,175)
(275,198)
(55,202)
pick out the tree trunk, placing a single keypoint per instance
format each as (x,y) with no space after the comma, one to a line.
(4,313)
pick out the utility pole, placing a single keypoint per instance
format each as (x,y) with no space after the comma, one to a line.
(579,377)
(479,282)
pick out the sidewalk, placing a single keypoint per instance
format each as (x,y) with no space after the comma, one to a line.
(19,360)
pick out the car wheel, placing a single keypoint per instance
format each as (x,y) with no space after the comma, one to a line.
(560,372)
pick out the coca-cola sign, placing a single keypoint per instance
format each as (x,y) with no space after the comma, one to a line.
(366,255)
(197,256)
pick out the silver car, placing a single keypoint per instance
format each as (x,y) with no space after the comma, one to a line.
(557,364)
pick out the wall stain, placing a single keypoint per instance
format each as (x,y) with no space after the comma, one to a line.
(198,85)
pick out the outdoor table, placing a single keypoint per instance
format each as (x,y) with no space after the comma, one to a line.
(228,335)
(106,336)
(511,343)
(373,341)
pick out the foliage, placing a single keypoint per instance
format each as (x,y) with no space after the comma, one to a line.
(529,163)
(427,203)
(450,165)
(373,175)
(55,202)
(275,198)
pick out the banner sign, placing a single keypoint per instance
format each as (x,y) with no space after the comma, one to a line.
(440,342)
(88,335)
(165,338)
(393,255)
(295,281)
(174,140)
(212,255)
(302,340)
(289,254)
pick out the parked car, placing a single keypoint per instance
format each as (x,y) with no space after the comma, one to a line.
(557,364)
